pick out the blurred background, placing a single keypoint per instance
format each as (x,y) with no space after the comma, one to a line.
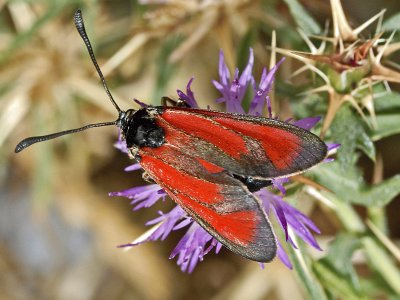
(58,227)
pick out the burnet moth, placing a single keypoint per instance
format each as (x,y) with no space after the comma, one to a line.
(211,162)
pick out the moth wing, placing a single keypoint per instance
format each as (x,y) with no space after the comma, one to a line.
(243,145)
(221,204)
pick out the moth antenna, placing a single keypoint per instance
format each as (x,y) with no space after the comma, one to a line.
(80,26)
(36,139)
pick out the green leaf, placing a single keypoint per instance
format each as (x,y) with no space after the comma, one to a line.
(365,144)
(393,23)
(379,194)
(305,273)
(388,103)
(342,182)
(350,186)
(376,288)
(382,263)
(336,283)
(387,110)
(387,125)
(350,131)
(339,260)
(340,253)
(345,212)
(303,18)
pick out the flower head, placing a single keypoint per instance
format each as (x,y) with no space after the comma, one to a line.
(196,242)
(349,65)
(233,91)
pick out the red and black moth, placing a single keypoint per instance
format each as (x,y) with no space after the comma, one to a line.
(211,162)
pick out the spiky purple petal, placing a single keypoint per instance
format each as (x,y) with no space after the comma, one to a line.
(142,196)
(233,91)
(307,123)
(133,167)
(189,96)
(277,183)
(192,247)
(261,91)
(282,255)
(288,216)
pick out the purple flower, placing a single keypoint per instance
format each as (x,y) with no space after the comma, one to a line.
(307,123)
(189,96)
(233,91)
(196,242)
(261,91)
(142,196)
(193,246)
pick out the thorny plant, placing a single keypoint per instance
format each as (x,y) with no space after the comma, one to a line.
(351,67)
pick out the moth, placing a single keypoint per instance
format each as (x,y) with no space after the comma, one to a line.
(211,162)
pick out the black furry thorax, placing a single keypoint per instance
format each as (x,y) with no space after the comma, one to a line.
(139,128)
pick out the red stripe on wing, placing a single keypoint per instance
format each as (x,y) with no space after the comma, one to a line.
(282,147)
(221,204)
(205,191)
(238,227)
(226,140)
(256,146)
(210,167)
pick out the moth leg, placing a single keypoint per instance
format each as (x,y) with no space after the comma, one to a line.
(146,177)
(176,103)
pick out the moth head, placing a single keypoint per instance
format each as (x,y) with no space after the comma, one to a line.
(139,129)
